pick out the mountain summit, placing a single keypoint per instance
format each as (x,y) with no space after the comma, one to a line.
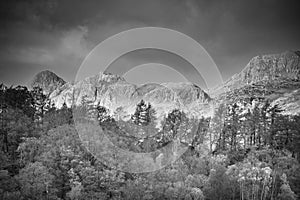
(276,77)
(114,92)
(48,81)
(266,69)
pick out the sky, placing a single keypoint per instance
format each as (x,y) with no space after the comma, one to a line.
(58,34)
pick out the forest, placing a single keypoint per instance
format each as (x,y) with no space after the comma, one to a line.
(249,150)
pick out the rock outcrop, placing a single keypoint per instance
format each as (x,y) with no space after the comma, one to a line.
(114,92)
(48,81)
(271,69)
(275,78)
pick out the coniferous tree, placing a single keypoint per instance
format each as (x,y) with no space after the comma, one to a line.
(274,114)
(103,117)
(143,113)
(171,125)
(233,126)
(40,103)
(19,98)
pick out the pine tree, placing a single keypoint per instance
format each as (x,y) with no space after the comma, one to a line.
(171,125)
(19,98)
(143,113)
(274,113)
(40,103)
(103,116)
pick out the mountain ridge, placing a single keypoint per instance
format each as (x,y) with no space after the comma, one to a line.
(274,76)
(48,81)
(269,67)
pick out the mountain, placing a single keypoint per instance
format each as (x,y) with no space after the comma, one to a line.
(48,81)
(114,92)
(275,78)
(275,69)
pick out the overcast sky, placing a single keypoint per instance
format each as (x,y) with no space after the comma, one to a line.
(58,34)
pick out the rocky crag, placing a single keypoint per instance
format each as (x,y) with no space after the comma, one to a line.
(273,77)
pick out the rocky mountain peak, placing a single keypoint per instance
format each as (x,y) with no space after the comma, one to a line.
(270,67)
(267,68)
(48,81)
(114,92)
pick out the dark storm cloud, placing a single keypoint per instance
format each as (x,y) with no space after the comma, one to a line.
(66,14)
(58,34)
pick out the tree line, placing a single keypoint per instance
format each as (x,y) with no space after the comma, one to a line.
(252,151)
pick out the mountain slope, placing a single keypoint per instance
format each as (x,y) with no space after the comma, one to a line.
(48,81)
(267,68)
(275,78)
(114,92)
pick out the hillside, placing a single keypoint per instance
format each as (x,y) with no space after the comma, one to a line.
(47,80)
(274,78)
